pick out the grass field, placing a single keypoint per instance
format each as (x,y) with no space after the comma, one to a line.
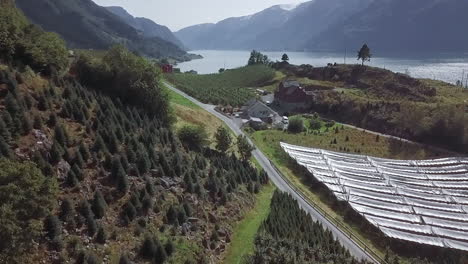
(177,99)
(245,231)
(230,87)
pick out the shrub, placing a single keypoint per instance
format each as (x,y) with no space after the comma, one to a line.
(26,196)
(193,137)
(296,125)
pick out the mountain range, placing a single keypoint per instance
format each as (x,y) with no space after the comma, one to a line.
(86,25)
(387,25)
(146,26)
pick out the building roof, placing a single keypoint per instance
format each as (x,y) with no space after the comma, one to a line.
(290,83)
(256,120)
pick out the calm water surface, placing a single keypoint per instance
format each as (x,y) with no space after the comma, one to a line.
(445,67)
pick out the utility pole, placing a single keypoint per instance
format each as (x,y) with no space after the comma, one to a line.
(466,81)
(463,76)
(345,54)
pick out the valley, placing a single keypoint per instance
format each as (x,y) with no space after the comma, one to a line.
(321,131)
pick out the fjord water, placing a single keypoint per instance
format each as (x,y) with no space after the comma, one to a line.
(447,67)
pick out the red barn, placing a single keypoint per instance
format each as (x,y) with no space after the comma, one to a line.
(167,68)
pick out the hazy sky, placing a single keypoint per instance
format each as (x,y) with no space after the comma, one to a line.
(177,14)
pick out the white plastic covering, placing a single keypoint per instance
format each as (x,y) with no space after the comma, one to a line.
(420,201)
(432,221)
(421,239)
(402,226)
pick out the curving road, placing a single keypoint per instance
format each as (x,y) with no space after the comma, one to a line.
(281,184)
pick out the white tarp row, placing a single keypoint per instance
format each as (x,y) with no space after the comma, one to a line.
(351,164)
(372,194)
(380,204)
(452,192)
(356,169)
(445,223)
(448,233)
(419,188)
(403,226)
(397,181)
(462,217)
(407,175)
(447,177)
(420,239)
(335,188)
(298,148)
(420,201)
(369,187)
(435,205)
(438,162)
(452,185)
(361,174)
(424,196)
(362,209)
(325,179)
(392,162)
(349,177)
(450,243)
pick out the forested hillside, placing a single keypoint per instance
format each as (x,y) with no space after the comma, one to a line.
(91,170)
(146,26)
(289,236)
(85,25)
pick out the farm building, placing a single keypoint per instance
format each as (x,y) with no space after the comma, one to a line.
(257,109)
(291,96)
(167,68)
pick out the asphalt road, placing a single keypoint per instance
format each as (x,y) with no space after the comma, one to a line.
(281,184)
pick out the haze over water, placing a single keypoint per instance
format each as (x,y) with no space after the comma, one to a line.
(445,67)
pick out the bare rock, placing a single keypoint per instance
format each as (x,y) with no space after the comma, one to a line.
(63,168)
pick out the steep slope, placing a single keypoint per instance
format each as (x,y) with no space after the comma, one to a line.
(234,33)
(83,24)
(388,25)
(398,25)
(91,169)
(276,28)
(148,27)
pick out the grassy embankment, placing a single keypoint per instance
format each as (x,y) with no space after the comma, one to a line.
(244,231)
(354,140)
(233,87)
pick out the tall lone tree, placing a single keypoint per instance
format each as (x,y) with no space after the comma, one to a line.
(364,54)
(223,139)
(245,149)
(285,57)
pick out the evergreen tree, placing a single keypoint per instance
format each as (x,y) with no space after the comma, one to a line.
(101,236)
(223,139)
(92,225)
(37,123)
(244,147)
(67,210)
(124,259)
(84,151)
(364,54)
(56,152)
(148,248)
(171,215)
(4,149)
(285,57)
(99,205)
(53,227)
